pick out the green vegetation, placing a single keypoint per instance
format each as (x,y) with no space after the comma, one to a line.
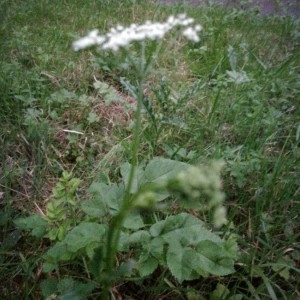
(111,163)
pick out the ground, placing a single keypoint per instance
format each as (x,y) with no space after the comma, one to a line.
(266,7)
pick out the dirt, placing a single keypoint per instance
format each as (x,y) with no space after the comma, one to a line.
(265,7)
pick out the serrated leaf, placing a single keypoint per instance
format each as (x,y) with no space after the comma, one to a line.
(56,254)
(104,196)
(146,264)
(92,118)
(179,263)
(184,227)
(83,235)
(156,248)
(192,250)
(36,223)
(94,207)
(215,258)
(134,221)
(186,263)
(108,92)
(173,223)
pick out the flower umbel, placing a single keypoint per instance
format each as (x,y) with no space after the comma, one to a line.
(120,36)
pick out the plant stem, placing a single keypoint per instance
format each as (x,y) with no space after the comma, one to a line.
(118,220)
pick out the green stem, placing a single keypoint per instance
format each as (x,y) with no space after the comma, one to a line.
(118,220)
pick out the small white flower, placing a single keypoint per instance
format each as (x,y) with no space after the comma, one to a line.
(120,36)
(187,22)
(120,27)
(93,34)
(171,20)
(191,34)
(91,39)
(198,27)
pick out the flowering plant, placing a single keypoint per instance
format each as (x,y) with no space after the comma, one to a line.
(121,36)
(111,219)
(140,192)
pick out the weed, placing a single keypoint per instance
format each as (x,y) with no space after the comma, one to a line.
(232,96)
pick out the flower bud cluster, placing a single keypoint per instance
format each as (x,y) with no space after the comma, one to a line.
(200,188)
(120,36)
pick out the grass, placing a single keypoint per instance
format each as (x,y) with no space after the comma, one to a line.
(46,90)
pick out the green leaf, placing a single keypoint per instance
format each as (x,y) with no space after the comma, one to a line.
(184,227)
(55,211)
(215,258)
(124,241)
(160,170)
(282,266)
(180,262)
(104,196)
(92,118)
(220,293)
(49,267)
(131,88)
(146,264)
(186,263)
(141,236)
(102,86)
(36,223)
(192,250)
(84,235)
(54,255)
(156,248)
(49,287)
(134,221)
(138,173)
(71,289)
(109,93)
(94,207)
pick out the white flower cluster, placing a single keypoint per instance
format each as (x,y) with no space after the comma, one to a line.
(120,36)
